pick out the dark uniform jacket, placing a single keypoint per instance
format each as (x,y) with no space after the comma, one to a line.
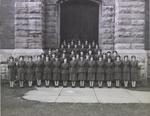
(91,66)
(56,66)
(81,66)
(73,67)
(100,67)
(65,68)
(12,71)
(30,70)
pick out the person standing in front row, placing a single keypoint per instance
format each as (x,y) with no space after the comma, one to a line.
(47,71)
(38,70)
(100,75)
(21,71)
(30,71)
(81,71)
(109,72)
(126,71)
(65,72)
(134,71)
(117,70)
(91,71)
(56,71)
(73,71)
(11,71)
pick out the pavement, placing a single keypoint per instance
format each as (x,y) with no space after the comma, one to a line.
(87,95)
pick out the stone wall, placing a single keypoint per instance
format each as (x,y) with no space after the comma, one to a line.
(52,26)
(129,24)
(7,12)
(29,23)
(107,22)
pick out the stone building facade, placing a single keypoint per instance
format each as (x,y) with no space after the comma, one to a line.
(32,26)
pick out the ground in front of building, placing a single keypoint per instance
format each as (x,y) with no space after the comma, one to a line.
(14,105)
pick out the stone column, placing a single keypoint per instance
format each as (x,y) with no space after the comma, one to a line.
(29,26)
(129,31)
(107,21)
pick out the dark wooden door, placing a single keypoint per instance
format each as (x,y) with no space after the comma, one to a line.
(79,20)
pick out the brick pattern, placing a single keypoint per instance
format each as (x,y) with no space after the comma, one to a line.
(29,24)
(129,24)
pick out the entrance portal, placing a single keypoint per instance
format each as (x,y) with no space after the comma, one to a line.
(79,20)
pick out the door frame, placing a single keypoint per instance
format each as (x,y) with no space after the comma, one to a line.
(99,3)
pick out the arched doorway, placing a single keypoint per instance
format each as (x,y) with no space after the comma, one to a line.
(79,20)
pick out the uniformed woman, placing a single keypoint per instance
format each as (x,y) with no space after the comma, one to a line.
(134,71)
(56,71)
(65,72)
(109,54)
(126,71)
(109,71)
(30,71)
(114,56)
(100,75)
(98,54)
(76,49)
(47,71)
(117,70)
(104,57)
(11,71)
(96,49)
(91,71)
(73,71)
(81,71)
(21,71)
(38,70)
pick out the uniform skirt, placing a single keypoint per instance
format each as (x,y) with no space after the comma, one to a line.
(11,75)
(91,76)
(65,76)
(73,76)
(30,76)
(81,76)
(126,76)
(38,75)
(21,76)
(134,76)
(47,76)
(109,76)
(100,76)
(56,76)
(117,75)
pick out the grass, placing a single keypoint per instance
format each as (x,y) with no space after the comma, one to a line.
(13,105)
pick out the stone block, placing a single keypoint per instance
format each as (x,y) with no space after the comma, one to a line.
(21,33)
(137,46)
(119,46)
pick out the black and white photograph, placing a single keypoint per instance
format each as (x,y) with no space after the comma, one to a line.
(74,58)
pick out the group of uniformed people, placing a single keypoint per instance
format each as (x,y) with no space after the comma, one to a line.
(76,62)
